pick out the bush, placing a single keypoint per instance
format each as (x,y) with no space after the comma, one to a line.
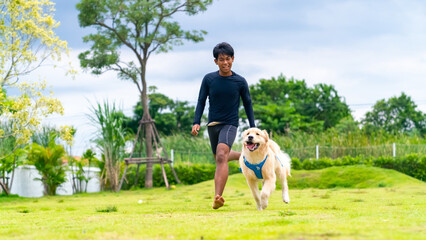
(384,162)
(296,164)
(413,165)
(311,164)
(349,160)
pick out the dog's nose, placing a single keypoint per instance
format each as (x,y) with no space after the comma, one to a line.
(250,137)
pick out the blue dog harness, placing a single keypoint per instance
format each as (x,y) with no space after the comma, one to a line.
(257,168)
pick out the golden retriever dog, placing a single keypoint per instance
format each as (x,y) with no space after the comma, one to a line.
(262,160)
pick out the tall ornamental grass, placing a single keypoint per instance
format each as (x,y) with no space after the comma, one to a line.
(110,139)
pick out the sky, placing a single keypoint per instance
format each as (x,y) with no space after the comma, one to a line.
(368,50)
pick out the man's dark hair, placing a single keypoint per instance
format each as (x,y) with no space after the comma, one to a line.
(223,48)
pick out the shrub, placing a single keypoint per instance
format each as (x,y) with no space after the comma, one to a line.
(324,163)
(412,164)
(296,164)
(349,160)
(311,164)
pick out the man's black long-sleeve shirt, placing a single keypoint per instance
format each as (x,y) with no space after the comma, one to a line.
(224,99)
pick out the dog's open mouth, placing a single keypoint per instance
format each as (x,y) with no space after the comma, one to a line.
(252,146)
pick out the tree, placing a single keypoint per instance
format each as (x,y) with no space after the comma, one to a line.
(397,114)
(347,125)
(170,116)
(284,104)
(141,26)
(27,40)
(9,163)
(184,114)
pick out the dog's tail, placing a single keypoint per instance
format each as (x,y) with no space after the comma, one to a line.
(286,162)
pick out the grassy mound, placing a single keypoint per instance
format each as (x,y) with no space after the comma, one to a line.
(358,176)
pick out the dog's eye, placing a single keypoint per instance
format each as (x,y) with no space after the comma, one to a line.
(257,134)
(248,134)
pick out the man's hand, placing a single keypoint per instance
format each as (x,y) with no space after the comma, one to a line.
(195,129)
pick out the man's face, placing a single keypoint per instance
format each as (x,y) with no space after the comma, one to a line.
(225,64)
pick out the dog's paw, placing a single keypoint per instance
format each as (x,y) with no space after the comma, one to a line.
(286,198)
(264,204)
(264,199)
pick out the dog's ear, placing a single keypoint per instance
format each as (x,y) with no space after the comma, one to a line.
(266,135)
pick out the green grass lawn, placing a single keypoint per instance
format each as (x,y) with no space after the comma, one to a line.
(354,202)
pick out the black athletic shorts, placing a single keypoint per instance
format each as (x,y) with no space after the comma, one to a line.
(222,134)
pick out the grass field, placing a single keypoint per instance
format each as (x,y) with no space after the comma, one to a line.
(363,203)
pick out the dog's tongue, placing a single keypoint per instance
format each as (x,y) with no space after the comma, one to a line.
(251,146)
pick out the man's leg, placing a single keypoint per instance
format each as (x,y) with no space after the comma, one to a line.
(233,155)
(221,174)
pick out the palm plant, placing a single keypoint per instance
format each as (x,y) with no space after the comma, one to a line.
(110,140)
(81,177)
(78,174)
(48,161)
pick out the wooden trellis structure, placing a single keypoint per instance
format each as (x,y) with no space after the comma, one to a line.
(159,152)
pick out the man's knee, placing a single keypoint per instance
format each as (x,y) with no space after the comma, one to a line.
(222,153)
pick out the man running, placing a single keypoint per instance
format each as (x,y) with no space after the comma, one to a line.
(224,89)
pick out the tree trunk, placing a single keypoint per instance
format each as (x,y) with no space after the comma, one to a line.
(74,186)
(47,188)
(13,173)
(148,127)
(115,183)
(149,150)
(113,171)
(88,176)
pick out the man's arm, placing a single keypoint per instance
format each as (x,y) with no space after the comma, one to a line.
(195,129)
(202,96)
(248,107)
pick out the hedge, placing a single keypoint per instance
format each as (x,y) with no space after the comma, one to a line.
(412,164)
(190,173)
